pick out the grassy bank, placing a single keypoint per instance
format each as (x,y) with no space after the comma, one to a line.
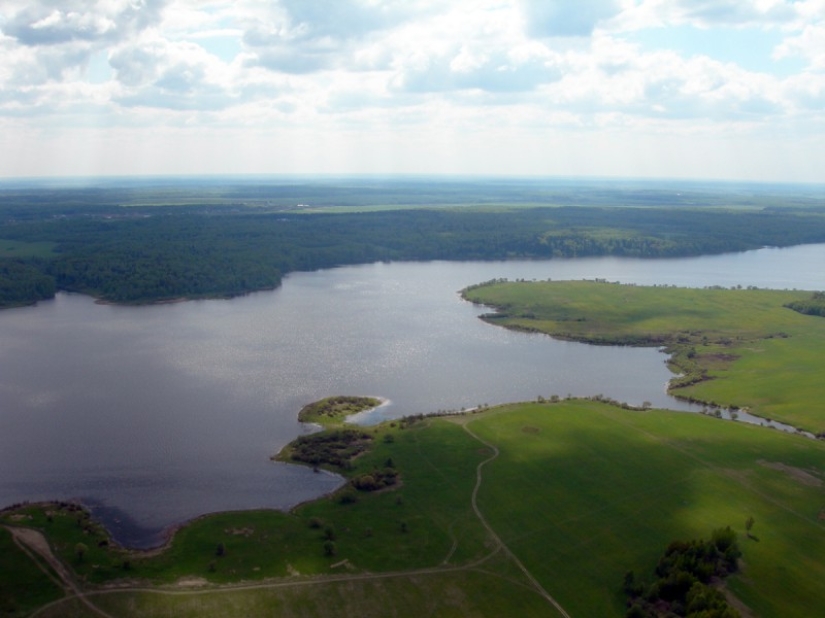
(581,492)
(734,347)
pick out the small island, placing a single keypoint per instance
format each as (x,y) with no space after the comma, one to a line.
(334,410)
(336,447)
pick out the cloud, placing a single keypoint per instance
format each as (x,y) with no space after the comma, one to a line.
(300,37)
(45,22)
(735,12)
(456,72)
(23,67)
(563,18)
(341,19)
(494,72)
(807,93)
(172,75)
(808,44)
(614,81)
(763,14)
(54,41)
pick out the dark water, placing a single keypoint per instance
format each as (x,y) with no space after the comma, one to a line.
(154,415)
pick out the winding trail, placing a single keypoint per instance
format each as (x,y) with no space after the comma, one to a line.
(30,540)
(538,587)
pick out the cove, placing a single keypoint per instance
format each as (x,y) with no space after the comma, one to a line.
(154,415)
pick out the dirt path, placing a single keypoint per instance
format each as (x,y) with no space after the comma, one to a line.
(33,542)
(539,588)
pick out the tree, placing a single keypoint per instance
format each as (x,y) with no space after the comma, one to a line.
(80,550)
(748,526)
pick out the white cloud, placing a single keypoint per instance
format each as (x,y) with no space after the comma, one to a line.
(55,40)
(299,37)
(735,12)
(808,44)
(360,77)
(477,69)
(182,76)
(562,18)
(45,22)
(710,13)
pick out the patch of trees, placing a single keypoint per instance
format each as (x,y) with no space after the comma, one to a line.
(813,306)
(129,255)
(683,580)
(23,283)
(336,448)
(377,479)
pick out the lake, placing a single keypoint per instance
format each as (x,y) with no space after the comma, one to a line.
(154,415)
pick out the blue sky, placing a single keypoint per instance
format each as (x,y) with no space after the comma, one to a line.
(725,89)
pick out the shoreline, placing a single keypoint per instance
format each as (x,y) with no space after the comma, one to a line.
(168,533)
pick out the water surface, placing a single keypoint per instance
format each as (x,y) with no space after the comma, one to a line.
(154,415)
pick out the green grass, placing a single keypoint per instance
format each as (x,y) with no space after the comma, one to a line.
(470,593)
(584,492)
(581,492)
(753,351)
(23,584)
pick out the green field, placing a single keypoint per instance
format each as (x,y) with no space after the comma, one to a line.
(581,492)
(25,582)
(738,347)
(470,593)
(584,492)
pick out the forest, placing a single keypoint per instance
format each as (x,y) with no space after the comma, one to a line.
(94,244)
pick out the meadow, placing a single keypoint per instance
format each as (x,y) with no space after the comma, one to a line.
(584,492)
(575,494)
(24,584)
(735,347)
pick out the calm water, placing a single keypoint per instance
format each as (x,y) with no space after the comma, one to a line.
(154,415)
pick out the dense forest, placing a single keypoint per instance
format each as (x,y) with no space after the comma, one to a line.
(134,254)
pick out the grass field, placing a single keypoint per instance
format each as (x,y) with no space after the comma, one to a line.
(24,585)
(584,492)
(581,492)
(754,352)
(467,593)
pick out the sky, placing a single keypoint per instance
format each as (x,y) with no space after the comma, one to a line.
(704,89)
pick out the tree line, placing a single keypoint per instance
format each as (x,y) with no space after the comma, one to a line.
(133,255)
